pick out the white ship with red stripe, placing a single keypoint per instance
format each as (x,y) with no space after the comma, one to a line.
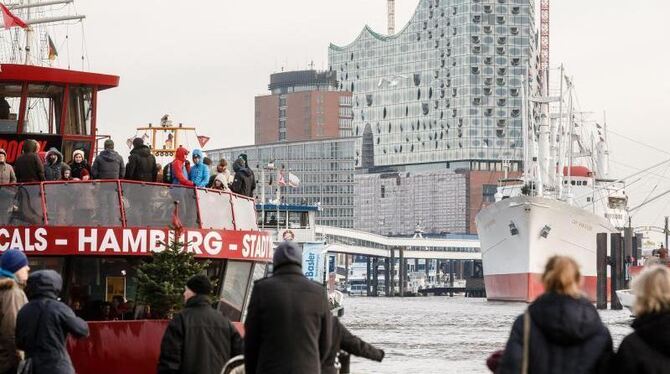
(554,209)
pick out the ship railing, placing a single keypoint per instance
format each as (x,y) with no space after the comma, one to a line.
(123,203)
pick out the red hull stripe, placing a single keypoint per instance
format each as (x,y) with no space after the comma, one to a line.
(527,287)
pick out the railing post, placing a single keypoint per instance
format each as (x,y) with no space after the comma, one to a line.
(119,193)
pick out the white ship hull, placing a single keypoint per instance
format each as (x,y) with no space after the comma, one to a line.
(513,263)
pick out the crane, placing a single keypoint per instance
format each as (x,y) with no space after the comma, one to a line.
(544,42)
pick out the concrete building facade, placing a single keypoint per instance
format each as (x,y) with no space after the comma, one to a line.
(302,105)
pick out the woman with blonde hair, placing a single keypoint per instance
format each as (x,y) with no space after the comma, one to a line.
(561,331)
(647,349)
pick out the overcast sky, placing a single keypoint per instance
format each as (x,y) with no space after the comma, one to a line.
(203,62)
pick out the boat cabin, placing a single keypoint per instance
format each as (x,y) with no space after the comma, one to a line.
(288,221)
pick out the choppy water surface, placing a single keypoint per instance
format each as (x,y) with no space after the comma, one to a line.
(440,334)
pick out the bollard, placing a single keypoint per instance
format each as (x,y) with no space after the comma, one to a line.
(345,363)
(387,277)
(627,256)
(392,267)
(375,277)
(368,274)
(616,263)
(601,271)
(402,272)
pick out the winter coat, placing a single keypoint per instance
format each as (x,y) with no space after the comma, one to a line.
(80,170)
(566,336)
(199,173)
(7,173)
(178,170)
(12,299)
(226,178)
(288,325)
(198,340)
(52,171)
(141,165)
(28,167)
(244,182)
(108,165)
(44,323)
(350,343)
(647,349)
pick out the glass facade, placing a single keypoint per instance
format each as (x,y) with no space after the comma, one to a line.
(399,203)
(447,87)
(325,169)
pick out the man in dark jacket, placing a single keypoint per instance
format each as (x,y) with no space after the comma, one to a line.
(243,182)
(53,165)
(108,164)
(43,324)
(288,325)
(141,163)
(566,336)
(350,343)
(199,339)
(28,167)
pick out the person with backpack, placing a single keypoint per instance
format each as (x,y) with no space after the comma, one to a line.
(178,170)
(561,331)
(243,182)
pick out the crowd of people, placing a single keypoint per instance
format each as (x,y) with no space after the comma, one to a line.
(561,331)
(141,166)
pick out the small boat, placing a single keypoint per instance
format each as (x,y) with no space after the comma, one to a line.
(626,298)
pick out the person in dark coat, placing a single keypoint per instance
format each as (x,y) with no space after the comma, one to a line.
(53,164)
(79,166)
(647,349)
(141,163)
(243,182)
(566,334)
(44,323)
(350,343)
(288,326)
(28,167)
(199,339)
(108,164)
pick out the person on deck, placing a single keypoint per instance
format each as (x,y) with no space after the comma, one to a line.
(243,182)
(222,169)
(141,163)
(178,168)
(28,167)
(43,325)
(647,349)
(53,164)
(561,331)
(199,173)
(6,170)
(13,276)
(199,339)
(288,326)
(108,164)
(79,166)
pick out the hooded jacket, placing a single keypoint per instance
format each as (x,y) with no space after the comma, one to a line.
(52,171)
(28,167)
(108,165)
(12,299)
(566,336)
(647,349)
(244,182)
(199,173)
(179,173)
(43,324)
(288,324)
(141,165)
(6,171)
(198,340)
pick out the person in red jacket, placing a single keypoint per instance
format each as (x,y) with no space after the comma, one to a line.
(179,170)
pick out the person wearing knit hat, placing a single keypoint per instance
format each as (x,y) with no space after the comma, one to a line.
(199,339)
(80,168)
(287,296)
(13,275)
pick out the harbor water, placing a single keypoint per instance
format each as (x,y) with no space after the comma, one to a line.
(440,334)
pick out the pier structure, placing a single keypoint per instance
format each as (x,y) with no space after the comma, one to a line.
(390,262)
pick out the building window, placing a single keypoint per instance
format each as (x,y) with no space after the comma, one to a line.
(489,193)
(383,191)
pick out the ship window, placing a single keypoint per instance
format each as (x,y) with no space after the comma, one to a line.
(614,202)
(234,288)
(44,108)
(79,111)
(10,100)
(298,220)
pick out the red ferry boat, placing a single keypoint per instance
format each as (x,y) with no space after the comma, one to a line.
(96,233)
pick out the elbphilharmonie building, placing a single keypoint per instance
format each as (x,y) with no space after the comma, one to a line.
(444,90)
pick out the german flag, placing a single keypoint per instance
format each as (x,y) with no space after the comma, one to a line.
(53,53)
